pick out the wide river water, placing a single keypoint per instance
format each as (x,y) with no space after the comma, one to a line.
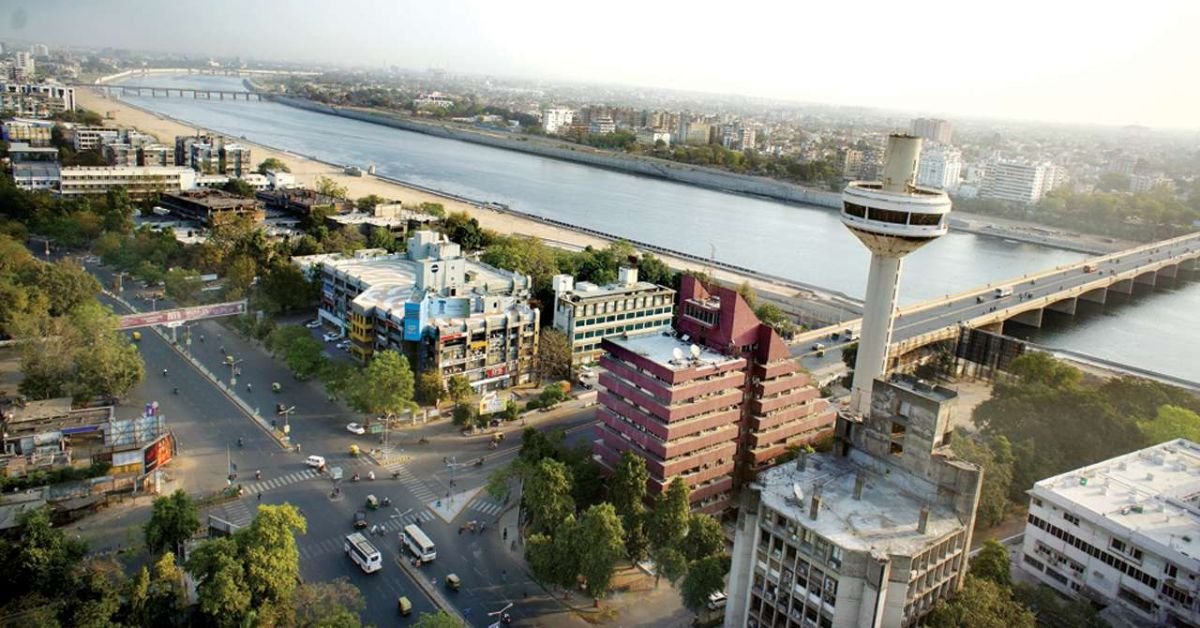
(1157,330)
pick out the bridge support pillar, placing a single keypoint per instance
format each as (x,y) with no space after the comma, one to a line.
(1124,286)
(1032,318)
(1147,279)
(1170,272)
(1066,306)
(1099,295)
(222,95)
(1190,265)
(995,328)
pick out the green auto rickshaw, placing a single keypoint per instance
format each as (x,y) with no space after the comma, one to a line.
(405,606)
(372,502)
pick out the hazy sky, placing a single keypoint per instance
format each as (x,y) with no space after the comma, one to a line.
(1059,60)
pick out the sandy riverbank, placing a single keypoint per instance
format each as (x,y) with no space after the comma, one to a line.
(307,170)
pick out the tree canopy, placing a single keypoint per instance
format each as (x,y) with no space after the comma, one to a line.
(174,519)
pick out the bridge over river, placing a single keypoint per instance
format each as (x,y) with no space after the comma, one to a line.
(1025,299)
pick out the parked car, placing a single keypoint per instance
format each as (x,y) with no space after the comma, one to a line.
(315,462)
(355,428)
(345,344)
(313,324)
(331,336)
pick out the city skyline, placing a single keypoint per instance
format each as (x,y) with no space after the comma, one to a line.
(1061,67)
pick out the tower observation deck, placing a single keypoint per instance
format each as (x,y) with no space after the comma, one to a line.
(892,217)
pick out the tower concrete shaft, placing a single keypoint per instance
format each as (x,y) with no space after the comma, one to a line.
(892,218)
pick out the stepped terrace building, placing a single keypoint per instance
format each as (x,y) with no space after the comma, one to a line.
(710,402)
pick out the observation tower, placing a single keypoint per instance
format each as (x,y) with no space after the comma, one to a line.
(893,218)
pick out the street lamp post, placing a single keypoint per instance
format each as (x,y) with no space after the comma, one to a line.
(285,413)
(232,370)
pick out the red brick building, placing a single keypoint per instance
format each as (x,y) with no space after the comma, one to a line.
(712,413)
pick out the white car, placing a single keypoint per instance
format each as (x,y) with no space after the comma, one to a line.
(313,324)
(345,344)
(315,462)
(332,335)
(355,428)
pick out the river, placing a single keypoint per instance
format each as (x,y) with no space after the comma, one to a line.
(808,244)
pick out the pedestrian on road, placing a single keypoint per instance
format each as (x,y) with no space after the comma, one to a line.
(505,534)
(260,498)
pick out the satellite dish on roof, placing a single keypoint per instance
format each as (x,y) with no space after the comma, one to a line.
(678,353)
(695,351)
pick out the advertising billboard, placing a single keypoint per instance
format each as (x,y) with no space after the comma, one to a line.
(413,322)
(158,453)
(182,315)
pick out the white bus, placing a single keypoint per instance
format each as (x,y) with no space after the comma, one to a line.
(363,553)
(417,543)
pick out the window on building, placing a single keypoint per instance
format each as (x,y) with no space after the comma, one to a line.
(1071,518)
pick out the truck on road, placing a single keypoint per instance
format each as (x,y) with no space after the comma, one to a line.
(1006,291)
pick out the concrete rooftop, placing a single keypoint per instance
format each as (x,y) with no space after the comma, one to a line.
(661,350)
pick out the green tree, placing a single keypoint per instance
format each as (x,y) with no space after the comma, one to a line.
(368,203)
(220,582)
(627,492)
(173,520)
(655,271)
(381,238)
(601,544)
(548,494)
(770,315)
(748,294)
(465,416)
(1052,611)
(95,599)
(240,188)
(704,577)
(440,619)
(704,537)
(286,288)
(1037,368)
(668,562)
(1169,423)
(338,377)
(136,609)
(459,389)
(555,560)
(429,388)
(465,230)
(240,272)
(384,387)
(554,355)
(166,599)
(38,558)
(434,209)
(67,285)
(335,604)
(669,519)
(991,563)
(271,163)
(996,460)
(182,285)
(270,557)
(328,187)
(850,355)
(981,604)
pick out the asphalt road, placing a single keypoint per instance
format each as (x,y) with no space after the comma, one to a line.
(207,424)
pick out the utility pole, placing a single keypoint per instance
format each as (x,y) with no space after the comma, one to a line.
(285,413)
(232,370)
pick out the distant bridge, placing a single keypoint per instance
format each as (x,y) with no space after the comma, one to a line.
(1025,299)
(201,71)
(167,92)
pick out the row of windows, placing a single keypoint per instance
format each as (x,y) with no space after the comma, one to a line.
(618,330)
(622,316)
(702,314)
(1115,562)
(621,305)
(892,216)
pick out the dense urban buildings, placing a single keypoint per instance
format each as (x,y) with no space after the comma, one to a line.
(1124,532)
(32,132)
(933,129)
(709,403)
(556,119)
(445,312)
(213,155)
(587,313)
(36,100)
(871,535)
(940,168)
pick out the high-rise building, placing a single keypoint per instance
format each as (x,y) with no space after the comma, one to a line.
(23,67)
(601,125)
(588,313)
(940,168)
(213,155)
(1018,181)
(40,50)
(933,129)
(871,535)
(711,403)
(1123,532)
(892,217)
(556,119)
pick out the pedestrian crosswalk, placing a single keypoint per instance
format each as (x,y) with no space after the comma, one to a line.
(485,506)
(410,481)
(321,548)
(393,525)
(409,519)
(281,481)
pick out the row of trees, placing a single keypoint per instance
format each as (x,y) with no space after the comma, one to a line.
(1044,420)
(574,536)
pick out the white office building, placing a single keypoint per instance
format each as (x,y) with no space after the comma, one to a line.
(557,119)
(36,100)
(137,180)
(23,66)
(940,168)
(588,313)
(1123,532)
(1018,181)
(871,535)
(91,137)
